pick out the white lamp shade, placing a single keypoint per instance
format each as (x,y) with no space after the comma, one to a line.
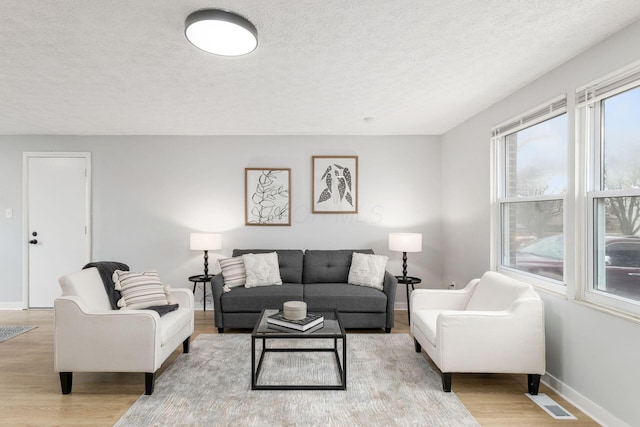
(205,241)
(405,242)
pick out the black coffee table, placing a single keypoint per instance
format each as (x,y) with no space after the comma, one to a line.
(331,330)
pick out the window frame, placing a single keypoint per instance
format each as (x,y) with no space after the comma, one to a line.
(590,135)
(546,111)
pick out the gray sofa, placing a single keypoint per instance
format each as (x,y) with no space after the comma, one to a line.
(317,277)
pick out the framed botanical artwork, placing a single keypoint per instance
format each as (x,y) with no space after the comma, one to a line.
(335,184)
(267,196)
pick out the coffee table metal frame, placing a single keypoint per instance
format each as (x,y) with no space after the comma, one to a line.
(335,333)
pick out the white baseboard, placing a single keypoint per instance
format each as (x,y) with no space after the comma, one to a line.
(401,306)
(18,305)
(590,408)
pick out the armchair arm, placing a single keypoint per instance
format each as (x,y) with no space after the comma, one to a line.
(442,299)
(182,296)
(389,287)
(105,341)
(509,341)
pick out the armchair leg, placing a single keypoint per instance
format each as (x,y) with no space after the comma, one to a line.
(66,381)
(446,381)
(387,330)
(221,330)
(149,382)
(417,345)
(533,383)
(185,345)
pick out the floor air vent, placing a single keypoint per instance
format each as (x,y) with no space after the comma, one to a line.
(551,407)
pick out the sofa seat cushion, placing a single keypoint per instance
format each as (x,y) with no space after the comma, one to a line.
(242,299)
(329,266)
(345,298)
(172,322)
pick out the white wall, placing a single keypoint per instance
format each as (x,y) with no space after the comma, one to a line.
(149,193)
(591,356)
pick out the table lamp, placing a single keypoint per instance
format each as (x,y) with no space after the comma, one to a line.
(405,242)
(206,242)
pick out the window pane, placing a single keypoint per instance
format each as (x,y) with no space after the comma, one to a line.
(532,239)
(621,121)
(536,159)
(618,246)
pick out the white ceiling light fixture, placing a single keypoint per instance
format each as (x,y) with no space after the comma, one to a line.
(221,32)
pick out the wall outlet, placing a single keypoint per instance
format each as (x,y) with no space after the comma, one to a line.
(452,285)
(8,213)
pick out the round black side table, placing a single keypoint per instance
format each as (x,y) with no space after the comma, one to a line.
(201,278)
(409,281)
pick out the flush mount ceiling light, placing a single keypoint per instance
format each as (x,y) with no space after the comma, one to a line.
(221,32)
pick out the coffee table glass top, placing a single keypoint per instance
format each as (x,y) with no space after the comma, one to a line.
(331,326)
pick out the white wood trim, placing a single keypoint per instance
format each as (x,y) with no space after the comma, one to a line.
(590,408)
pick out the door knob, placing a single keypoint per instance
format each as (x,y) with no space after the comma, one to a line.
(33,241)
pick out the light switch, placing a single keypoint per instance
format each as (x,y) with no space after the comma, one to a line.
(8,213)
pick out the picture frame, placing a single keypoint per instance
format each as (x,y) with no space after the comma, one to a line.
(267,196)
(334,184)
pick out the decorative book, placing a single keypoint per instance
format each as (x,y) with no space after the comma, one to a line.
(300,325)
(290,330)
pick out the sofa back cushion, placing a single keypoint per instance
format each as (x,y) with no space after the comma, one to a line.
(86,285)
(106,270)
(328,266)
(496,292)
(289,260)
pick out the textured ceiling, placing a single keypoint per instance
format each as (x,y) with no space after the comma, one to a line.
(322,67)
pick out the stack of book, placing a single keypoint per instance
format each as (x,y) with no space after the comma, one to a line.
(311,321)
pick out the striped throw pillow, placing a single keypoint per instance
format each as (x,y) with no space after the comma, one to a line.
(140,290)
(233,271)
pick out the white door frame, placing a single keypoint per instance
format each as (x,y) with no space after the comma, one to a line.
(25,210)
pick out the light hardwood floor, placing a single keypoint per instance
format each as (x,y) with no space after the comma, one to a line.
(30,390)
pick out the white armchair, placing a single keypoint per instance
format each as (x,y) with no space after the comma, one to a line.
(92,337)
(494,325)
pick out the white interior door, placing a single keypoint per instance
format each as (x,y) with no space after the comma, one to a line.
(57,228)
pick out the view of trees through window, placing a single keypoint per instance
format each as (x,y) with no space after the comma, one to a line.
(536,173)
(539,204)
(616,205)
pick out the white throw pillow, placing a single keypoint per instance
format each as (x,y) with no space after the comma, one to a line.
(140,290)
(367,270)
(262,269)
(233,271)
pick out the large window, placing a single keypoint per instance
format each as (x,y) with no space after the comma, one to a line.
(611,128)
(531,186)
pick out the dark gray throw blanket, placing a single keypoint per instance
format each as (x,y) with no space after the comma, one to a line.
(106,269)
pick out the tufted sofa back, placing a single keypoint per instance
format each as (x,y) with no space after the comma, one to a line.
(289,260)
(328,266)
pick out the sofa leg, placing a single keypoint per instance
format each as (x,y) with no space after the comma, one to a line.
(185,345)
(221,330)
(417,345)
(446,381)
(533,383)
(66,381)
(387,330)
(149,382)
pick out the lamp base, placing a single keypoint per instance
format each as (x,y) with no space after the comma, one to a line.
(206,263)
(404,265)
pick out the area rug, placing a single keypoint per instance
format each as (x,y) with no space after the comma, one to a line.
(388,384)
(8,332)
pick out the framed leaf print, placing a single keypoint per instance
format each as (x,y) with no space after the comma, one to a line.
(267,196)
(335,184)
